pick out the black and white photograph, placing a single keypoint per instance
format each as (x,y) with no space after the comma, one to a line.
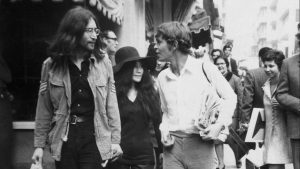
(149,84)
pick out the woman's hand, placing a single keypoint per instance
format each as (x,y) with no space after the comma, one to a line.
(37,156)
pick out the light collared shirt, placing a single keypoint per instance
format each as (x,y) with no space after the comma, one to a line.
(182,97)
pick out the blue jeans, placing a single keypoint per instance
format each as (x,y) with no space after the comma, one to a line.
(190,152)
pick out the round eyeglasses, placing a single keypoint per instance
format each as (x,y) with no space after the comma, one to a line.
(90,30)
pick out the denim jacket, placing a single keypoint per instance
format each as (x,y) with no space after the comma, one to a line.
(54,102)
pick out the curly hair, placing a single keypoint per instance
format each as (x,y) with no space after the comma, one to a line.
(275,55)
(147,96)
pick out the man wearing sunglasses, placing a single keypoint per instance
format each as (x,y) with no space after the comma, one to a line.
(108,44)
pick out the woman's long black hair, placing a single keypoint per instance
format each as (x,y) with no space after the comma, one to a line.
(147,95)
(68,36)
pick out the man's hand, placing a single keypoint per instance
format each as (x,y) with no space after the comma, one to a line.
(37,156)
(212,132)
(117,151)
(166,139)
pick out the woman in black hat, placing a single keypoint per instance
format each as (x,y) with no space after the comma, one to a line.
(139,106)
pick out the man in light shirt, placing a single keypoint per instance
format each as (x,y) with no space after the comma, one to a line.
(184,90)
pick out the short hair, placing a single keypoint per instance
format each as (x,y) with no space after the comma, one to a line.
(275,55)
(176,31)
(217,50)
(222,57)
(227,46)
(100,43)
(263,51)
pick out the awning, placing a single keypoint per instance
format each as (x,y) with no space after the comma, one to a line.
(113,9)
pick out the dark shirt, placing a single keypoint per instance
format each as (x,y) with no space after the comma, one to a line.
(81,94)
(135,134)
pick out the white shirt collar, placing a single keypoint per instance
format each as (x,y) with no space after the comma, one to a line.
(189,67)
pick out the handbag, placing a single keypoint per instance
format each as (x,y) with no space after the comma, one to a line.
(237,144)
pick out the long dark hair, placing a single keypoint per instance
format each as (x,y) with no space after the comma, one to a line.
(147,96)
(68,36)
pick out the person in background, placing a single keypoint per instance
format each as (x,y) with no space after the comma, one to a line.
(5,116)
(232,62)
(288,95)
(108,44)
(276,143)
(139,106)
(253,93)
(77,112)
(215,53)
(178,85)
(252,97)
(235,82)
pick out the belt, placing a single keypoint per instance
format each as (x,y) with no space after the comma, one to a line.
(78,119)
(182,134)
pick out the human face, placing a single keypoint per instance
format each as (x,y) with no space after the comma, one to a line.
(227,52)
(111,42)
(138,72)
(163,50)
(215,55)
(88,39)
(271,69)
(221,64)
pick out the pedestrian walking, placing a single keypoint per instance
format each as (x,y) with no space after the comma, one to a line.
(139,107)
(277,147)
(184,90)
(77,112)
(235,82)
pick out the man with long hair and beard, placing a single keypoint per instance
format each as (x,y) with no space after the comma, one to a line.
(77,112)
(139,106)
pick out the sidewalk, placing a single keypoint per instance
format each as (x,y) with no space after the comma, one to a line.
(230,161)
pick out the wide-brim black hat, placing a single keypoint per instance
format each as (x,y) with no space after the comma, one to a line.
(129,54)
